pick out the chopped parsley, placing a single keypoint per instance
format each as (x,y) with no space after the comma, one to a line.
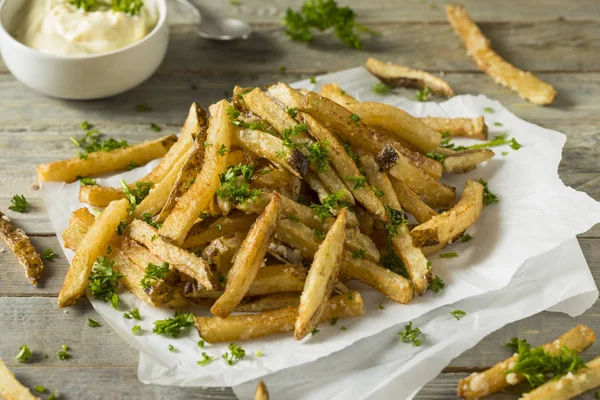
(318,153)
(488,197)
(135,329)
(320,233)
(466,238)
(85,126)
(19,203)
(104,280)
(499,140)
(423,95)
(53,396)
(259,353)
(489,110)
(437,284)
(312,80)
(206,359)
(381,88)
(233,118)
(292,112)
(155,127)
(539,366)
(132,165)
(315,331)
(137,195)
(143,107)
(334,320)
(497,124)
(222,150)
(173,326)
(441,158)
(343,328)
(359,181)
(237,353)
(390,260)
(92,323)
(91,143)
(458,314)
(355,118)
(381,307)
(505,153)
(24,354)
(121,227)
(171,348)
(135,314)
(150,221)
(39,388)
(88,182)
(411,335)
(289,133)
(329,203)
(63,354)
(352,154)
(294,218)
(360,253)
(378,192)
(154,273)
(201,343)
(323,15)
(234,186)
(49,254)
(449,255)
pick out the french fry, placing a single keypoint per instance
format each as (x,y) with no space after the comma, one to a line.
(72,236)
(270,147)
(434,192)
(287,96)
(269,302)
(313,181)
(244,327)
(345,167)
(461,161)
(20,245)
(568,386)
(100,162)
(220,252)
(321,278)
(210,229)
(366,220)
(411,202)
(417,266)
(493,380)
(11,388)
(400,76)
(284,253)
(182,260)
(248,259)
(340,122)
(273,178)
(200,193)
(445,227)
(99,196)
(333,92)
(474,128)
(525,84)
(92,246)
(262,393)
(399,123)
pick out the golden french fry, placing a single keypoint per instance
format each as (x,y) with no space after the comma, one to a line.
(287,96)
(493,380)
(400,76)
(11,388)
(220,252)
(445,227)
(399,123)
(525,84)
(461,161)
(20,245)
(269,302)
(313,181)
(100,162)
(321,278)
(411,202)
(272,178)
(182,260)
(248,259)
(72,236)
(262,393)
(244,327)
(200,193)
(333,92)
(92,246)
(99,196)
(474,128)
(210,229)
(434,192)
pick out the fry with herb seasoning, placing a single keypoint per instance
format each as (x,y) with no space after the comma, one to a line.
(461,161)
(474,128)
(210,229)
(269,302)
(411,202)
(333,92)
(20,245)
(11,388)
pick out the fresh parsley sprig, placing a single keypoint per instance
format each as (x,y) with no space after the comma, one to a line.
(19,203)
(173,326)
(489,198)
(154,273)
(411,335)
(91,143)
(24,354)
(104,280)
(234,354)
(234,184)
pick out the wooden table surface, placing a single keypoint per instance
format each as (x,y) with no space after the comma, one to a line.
(558,40)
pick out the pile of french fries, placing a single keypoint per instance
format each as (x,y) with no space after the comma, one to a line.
(318,199)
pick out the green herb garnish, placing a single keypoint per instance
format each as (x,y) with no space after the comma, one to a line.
(449,255)
(39,388)
(334,320)
(132,165)
(488,197)
(19,203)
(318,153)
(437,284)
(143,107)
(458,314)
(63,353)
(137,195)
(88,182)
(121,227)
(237,353)
(355,118)
(360,253)
(466,238)
(154,273)
(92,323)
(411,335)
(24,354)
(497,124)
(91,143)
(234,186)
(381,88)
(441,158)
(135,329)
(150,221)
(173,326)
(49,254)
(155,127)
(104,280)
(320,233)
(423,95)
(292,112)
(329,203)
(315,331)
(489,110)
(313,80)
(206,359)
(135,314)
(359,181)
(53,396)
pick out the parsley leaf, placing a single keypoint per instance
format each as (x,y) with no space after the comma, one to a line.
(437,284)
(359,181)
(411,335)
(132,165)
(381,88)
(24,354)
(121,227)
(154,273)
(360,253)
(466,238)
(206,359)
(329,203)
(355,118)
(488,197)
(449,255)
(155,127)
(201,343)
(173,326)
(63,353)
(39,388)
(135,329)
(458,314)
(91,143)
(318,153)
(171,348)
(85,126)
(313,80)
(88,182)
(441,158)
(233,186)
(423,95)
(92,323)
(53,396)
(292,111)
(49,254)
(150,221)
(315,331)
(497,124)
(104,280)
(143,108)
(137,195)
(135,314)
(19,203)
(320,233)
(237,353)
(334,320)
(489,110)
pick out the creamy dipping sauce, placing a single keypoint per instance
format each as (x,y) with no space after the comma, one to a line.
(57,27)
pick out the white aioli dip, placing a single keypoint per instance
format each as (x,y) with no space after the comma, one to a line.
(57,27)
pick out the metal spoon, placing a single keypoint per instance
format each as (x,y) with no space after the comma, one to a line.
(214,28)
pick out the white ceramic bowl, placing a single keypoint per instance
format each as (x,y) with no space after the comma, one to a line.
(83,77)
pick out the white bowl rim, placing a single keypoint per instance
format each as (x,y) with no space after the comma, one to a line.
(162,19)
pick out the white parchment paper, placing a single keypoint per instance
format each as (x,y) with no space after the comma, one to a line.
(536,213)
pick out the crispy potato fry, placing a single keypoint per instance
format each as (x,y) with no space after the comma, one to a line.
(321,278)
(210,229)
(399,123)
(340,122)
(493,380)
(474,128)
(445,227)
(272,148)
(411,202)
(462,161)
(434,192)
(568,386)
(269,302)
(20,245)
(345,167)
(11,388)
(417,266)
(333,92)
(262,393)
(248,259)
(99,196)
(273,178)
(313,181)
(366,220)
(200,193)
(92,246)
(182,260)
(72,236)
(525,84)
(244,327)
(400,76)
(220,252)
(100,162)
(284,253)
(287,96)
